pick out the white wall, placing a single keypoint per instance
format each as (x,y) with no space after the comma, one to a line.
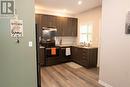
(92,16)
(115,44)
(66,40)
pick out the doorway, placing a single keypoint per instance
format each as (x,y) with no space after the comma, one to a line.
(74,71)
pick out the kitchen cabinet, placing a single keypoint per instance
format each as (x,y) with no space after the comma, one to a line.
(48,21)
(66,26)
(38,21)
(76,54)
(72,26)
(86,57)
(42,56)
(61,25)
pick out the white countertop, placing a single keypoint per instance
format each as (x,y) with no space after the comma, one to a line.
(42,47)
(65,45)
(91,47)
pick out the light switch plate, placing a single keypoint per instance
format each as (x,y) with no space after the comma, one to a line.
(30,44)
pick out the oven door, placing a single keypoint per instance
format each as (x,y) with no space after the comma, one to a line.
(49,54)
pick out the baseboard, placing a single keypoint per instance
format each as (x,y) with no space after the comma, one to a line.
(104,83)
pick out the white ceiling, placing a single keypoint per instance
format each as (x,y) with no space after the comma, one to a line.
(69,7)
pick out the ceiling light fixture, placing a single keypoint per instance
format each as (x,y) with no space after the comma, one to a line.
(79,2)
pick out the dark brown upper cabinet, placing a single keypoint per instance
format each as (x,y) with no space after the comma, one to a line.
(66,26)
(72,26)
(48,21)
(38,21)
(61,26)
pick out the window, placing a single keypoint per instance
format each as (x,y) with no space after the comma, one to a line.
(86,33)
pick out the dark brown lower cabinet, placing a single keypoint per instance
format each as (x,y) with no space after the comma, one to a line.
(42,56)
(86,57)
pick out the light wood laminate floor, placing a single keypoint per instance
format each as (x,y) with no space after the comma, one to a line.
(65,76)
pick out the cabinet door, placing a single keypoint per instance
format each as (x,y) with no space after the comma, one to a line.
(52,21)
(69,26)
(45,20)
(41,56)
(63,22)
(74,26)
(93,57)
(59,26)
(76,54)
(38,18)
(48,21)
(66,26)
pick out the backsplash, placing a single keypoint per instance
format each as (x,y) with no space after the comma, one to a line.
(66,40)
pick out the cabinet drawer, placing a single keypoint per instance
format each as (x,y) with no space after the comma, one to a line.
(85,50)
(85,57)
(84,54)
(84,63)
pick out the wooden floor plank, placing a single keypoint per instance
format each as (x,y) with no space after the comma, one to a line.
(85,76)
(47,78)
(65,76)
